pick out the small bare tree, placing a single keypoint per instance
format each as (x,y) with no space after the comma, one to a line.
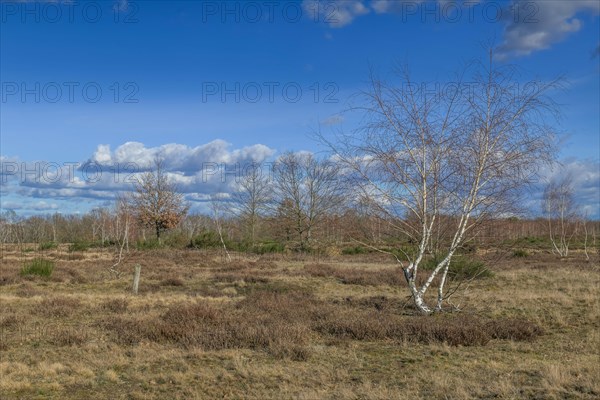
(156,201)
(253,198)
(307,190)
(219,210)
(121,225)
(191,225)
(435,166)
(560,209)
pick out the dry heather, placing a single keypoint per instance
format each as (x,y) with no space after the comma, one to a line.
(203,328)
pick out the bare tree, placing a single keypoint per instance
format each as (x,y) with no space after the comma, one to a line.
(156,200)
(560,209)
(253,197)
(122,221)
(218,209)
(100,218)
(437,165)
(307,190)
(191,225)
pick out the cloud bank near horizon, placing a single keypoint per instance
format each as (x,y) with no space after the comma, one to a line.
(199,172)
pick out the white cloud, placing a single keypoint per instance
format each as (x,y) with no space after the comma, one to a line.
(198,171)
(529,25)
(36,206)
(179,157)
(585,175)
(543,23)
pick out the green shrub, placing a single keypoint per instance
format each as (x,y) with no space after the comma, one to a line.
(78,246)
(38,266)
(207,239)
(519,253)
(355,250)
(176,240)
(460,268)
(48,246)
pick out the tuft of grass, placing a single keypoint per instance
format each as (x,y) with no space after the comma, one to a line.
(48,245)
(39,266)
(520,253)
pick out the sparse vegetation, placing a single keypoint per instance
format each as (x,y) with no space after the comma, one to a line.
(276,329)
(47,246)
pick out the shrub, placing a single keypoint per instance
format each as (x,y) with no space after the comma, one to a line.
(207,239)
(460,268)
(48,245)
(520,253)
(513,329)
(269,247)
(463,268)
(172,282)
(115,305)
(78,246)
(39,266)
(58,306)
(354,250)
(358,276)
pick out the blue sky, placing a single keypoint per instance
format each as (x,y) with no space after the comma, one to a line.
(161,68)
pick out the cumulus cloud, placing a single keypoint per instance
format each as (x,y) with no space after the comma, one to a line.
(543,23)
(197,171)
(585,176)
(178,157)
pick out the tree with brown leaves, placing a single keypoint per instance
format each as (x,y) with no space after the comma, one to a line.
(156,201)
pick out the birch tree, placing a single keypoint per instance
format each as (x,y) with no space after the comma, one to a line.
(561,212)
(252,198)
(219,211)
(307,190)
(437,165)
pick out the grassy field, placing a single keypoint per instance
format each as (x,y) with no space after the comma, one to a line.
(340,328)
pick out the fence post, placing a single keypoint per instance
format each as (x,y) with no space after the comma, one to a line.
(136,278)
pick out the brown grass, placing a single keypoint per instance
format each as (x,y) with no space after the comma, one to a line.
(203,328)
(357,276)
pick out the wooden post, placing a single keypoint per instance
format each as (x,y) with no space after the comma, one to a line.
(136,278)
